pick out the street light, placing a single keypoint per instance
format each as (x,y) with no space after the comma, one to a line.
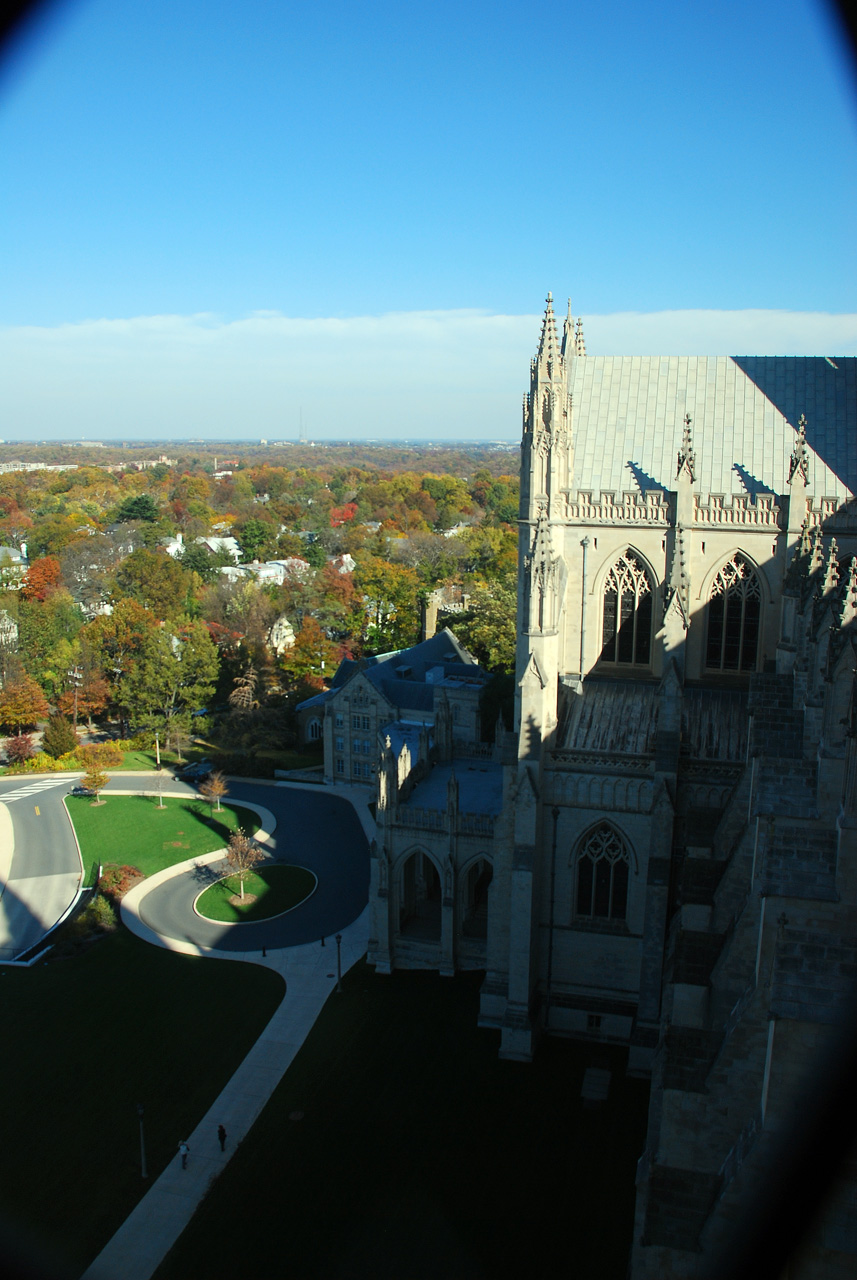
(339,962)
(157,750)
(143,1170)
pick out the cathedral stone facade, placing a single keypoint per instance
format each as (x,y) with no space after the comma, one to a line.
(673,863)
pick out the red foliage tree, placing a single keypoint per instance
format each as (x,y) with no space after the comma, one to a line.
(41,579)
(341,515)
(20,748)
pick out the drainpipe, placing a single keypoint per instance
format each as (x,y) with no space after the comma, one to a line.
(584,544)
(555,816)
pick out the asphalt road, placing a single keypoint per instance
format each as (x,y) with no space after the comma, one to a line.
(314,830)
(40,868)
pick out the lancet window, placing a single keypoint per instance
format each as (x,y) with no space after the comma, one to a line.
(626,632)
(734,615)
(603,865)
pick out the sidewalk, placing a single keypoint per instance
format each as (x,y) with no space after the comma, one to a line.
(148,1234)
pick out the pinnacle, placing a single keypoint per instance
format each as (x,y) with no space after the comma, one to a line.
(579,344)
(549,342)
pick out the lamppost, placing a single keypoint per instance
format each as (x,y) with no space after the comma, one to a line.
(144,1171)
(157,750)
(339,962)
(76,677)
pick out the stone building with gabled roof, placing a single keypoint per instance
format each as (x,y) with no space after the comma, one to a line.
(675,864)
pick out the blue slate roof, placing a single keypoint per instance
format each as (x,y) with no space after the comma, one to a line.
(408,677)
(480,787)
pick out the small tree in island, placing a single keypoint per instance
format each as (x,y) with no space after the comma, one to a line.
(242,855)
(214,788)
(95,781)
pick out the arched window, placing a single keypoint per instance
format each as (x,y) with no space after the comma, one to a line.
(315,731)
(734,611)
(627,618)
(602,875)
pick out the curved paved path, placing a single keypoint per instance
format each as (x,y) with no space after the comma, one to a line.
(314,829)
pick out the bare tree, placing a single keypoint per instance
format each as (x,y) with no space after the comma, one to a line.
(214,788)
(242,855)
(243,696)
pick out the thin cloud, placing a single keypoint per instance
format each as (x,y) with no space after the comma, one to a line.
(418,374)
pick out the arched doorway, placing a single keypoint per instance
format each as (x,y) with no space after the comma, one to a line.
(420,898)
(474,914)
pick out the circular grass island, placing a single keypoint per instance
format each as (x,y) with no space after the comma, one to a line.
(268,891)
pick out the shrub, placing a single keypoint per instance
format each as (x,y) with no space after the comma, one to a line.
(100,914)
(116,881)
(19,748)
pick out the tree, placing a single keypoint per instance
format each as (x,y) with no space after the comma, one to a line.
(243,696)
(174,674)
(488,627)
(100,755)
(20,748)
(141,506)
(155,580)
(59,738)
(95,781)
(242,855)
(390,596)
(214,788)
(312,655)
(47,635)
(89,698)
(41,579)
(254,536)
(22,702)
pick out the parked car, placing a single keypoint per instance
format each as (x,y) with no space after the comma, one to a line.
(197,772)
(80,790)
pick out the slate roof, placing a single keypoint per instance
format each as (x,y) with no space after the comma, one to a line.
(408,677)
(745,411)
(480,787)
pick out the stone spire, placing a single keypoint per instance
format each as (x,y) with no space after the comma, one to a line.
(579,344)
(678,583)
(799,461)
(549,356)
(686,462)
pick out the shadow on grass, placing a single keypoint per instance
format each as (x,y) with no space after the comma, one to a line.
(399,1145)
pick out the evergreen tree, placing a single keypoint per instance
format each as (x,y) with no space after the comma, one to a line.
(59,737)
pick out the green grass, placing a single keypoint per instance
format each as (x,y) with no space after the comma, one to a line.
(132,830)
(276,889)
(87,1039)
(399,1147)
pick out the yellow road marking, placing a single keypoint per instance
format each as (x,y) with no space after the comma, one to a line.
(36,807)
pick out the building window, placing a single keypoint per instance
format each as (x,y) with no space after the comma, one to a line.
(602,875)
(340,744)
(593,1022)
(734,612)
(355,722)
(315,730)
(626,634)
(367,747)
(340,766)
(365,724)
(339,719)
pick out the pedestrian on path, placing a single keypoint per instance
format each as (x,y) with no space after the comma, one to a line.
(183,1152)
(221,1137)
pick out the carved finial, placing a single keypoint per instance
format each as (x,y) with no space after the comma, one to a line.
(549,342)
(686,464)
(568,333)
(579,344)
(799,461)
(817,553)
(805,544)
(678,583)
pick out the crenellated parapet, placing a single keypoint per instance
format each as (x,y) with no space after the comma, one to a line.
(630,507)
(716,510)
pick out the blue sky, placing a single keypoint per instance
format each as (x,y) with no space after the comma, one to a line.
(190,191)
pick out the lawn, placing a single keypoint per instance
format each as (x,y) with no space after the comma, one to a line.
(268,892)
(134,831)
(399,1147)
(89,1037)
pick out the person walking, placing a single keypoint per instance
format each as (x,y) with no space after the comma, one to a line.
(183,1152)
(221,1137)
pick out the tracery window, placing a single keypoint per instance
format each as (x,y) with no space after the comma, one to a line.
(603,864)
(734,612)
(626,631)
